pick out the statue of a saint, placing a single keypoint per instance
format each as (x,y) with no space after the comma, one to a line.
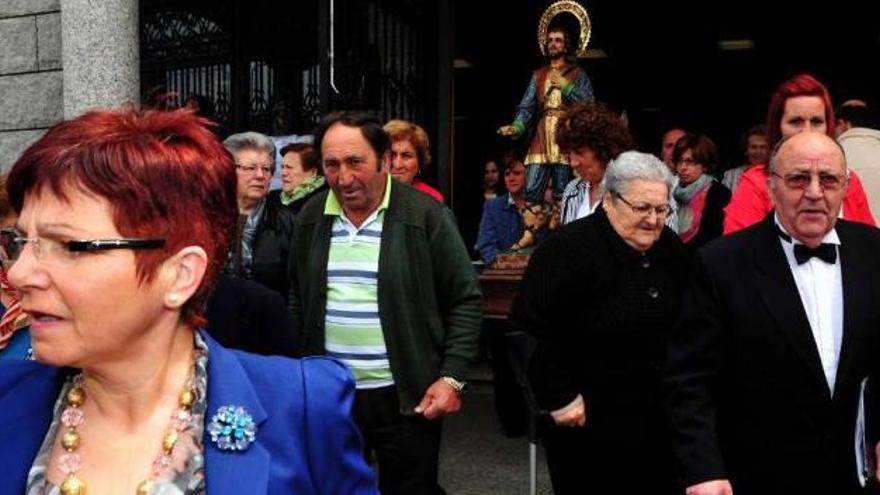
(552,89)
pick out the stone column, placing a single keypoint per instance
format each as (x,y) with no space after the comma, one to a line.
(100,54)
(30,73)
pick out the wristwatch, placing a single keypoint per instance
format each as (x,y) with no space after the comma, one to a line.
(455,384)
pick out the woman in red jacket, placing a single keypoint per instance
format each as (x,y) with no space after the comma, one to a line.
(800,104)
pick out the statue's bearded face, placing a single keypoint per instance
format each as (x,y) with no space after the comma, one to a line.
(556,44)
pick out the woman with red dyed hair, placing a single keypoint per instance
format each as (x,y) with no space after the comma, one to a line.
(800,104)
(124,222)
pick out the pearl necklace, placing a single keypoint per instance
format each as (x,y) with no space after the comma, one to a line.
(70,462)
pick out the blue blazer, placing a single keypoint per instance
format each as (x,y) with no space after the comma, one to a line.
(306,441)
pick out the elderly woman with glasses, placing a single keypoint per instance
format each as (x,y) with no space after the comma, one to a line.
(261,246)
(600,297)
(124,223)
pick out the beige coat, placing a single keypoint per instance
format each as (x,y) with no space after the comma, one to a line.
(862,148)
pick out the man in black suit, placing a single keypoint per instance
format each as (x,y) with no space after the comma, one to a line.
(778,328)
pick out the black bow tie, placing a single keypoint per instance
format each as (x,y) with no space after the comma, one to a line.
(825,252)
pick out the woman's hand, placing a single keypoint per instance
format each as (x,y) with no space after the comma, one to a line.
(574,414)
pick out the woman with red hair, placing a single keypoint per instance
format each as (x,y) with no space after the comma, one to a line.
(125,219)
(800,104)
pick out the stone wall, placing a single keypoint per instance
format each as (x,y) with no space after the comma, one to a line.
(31,95)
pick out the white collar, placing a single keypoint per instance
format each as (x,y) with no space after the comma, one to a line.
(830,237)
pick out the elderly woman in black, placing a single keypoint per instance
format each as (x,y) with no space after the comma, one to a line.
(600,297)
(262,237)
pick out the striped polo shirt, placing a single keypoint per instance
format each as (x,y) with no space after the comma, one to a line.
(353,328)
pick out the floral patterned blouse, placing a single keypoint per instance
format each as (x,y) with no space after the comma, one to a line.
(186,476)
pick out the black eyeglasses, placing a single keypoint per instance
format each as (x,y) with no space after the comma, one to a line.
(644,209)
(55,252)
(802,180)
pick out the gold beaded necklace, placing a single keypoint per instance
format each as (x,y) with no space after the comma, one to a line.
(70,462)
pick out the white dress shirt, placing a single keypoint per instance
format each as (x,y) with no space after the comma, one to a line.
(821,289)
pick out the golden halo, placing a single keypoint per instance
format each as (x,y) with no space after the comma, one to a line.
(572,8)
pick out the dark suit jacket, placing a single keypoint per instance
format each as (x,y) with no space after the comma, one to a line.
(248,316)
(747,396)
(306,441)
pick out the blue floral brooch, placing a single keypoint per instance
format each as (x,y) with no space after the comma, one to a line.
(232,428)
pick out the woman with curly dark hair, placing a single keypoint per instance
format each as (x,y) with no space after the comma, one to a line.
(592,136)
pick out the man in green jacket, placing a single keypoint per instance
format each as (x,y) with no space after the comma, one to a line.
(382,281)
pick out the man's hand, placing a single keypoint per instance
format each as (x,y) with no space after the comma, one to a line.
(440,400)
(576,416)
(557,81)
(507,131)
(877,460)
(714,487)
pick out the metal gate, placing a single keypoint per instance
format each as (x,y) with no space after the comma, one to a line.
(378,58)
(266,65)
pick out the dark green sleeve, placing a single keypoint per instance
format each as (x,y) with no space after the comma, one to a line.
(458,291)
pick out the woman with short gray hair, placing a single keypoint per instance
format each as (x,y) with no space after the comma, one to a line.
(250,139)
(262,237)
(599,297)
(636,166)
